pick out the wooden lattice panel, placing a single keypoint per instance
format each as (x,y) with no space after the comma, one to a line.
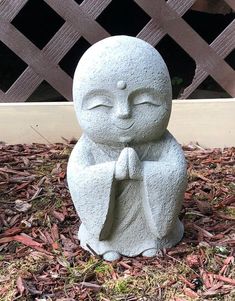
(80,21)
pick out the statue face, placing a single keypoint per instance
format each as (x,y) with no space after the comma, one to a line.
(123,115)
(123,101)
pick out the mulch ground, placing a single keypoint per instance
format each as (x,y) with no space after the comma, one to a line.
(40,257)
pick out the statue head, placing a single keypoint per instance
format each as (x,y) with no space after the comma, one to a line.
(122,92)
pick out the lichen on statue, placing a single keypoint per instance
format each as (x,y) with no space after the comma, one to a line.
(127,173)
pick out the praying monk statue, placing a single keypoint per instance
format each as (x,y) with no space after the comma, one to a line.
(127,173)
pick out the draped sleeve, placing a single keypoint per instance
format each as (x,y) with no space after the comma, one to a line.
(164,184)
(92,190)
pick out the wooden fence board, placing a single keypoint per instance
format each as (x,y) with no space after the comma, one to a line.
(181,6)
(223,45)
(93,7)
(153,32)
(73,13)
(191,42)
(10,8)
(28,52)
(61,42)
(231,3)
(26,84)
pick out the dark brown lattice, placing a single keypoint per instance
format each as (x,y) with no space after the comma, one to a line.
(83,23)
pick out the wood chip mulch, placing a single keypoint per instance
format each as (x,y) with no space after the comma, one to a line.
(40,257)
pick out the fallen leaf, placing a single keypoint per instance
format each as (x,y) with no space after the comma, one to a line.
(224,279)
(26,240)
(193,261)
(11,232)
(68,244)
(6,239)
(20,285)
(188,283)
(91,285)
(190,293)
(29,285)
(54,232)
(60,299)
(58,215)
(204,207)
(63,262)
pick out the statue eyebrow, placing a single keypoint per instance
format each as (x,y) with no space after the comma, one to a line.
(98,92)
(140,91)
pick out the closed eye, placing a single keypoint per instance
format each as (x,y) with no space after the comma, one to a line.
(145,98)
(97,101)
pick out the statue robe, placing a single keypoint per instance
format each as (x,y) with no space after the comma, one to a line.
(128,216)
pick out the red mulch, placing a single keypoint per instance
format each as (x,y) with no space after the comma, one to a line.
(38,221)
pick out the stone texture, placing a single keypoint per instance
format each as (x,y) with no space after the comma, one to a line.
(127,173)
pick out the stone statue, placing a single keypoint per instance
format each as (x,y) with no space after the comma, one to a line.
(127,173)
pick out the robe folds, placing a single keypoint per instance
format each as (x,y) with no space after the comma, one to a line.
(128,216)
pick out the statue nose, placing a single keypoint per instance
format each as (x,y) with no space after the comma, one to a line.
(123,110)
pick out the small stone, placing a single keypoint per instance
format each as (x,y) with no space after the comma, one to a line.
(25,224)
(22,206)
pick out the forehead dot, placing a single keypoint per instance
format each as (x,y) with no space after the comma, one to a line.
(121,85)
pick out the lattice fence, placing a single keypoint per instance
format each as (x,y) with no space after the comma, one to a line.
(78,22)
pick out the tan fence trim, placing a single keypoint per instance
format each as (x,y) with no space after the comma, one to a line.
(211,123)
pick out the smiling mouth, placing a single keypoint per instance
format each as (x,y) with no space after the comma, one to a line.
(124,128)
